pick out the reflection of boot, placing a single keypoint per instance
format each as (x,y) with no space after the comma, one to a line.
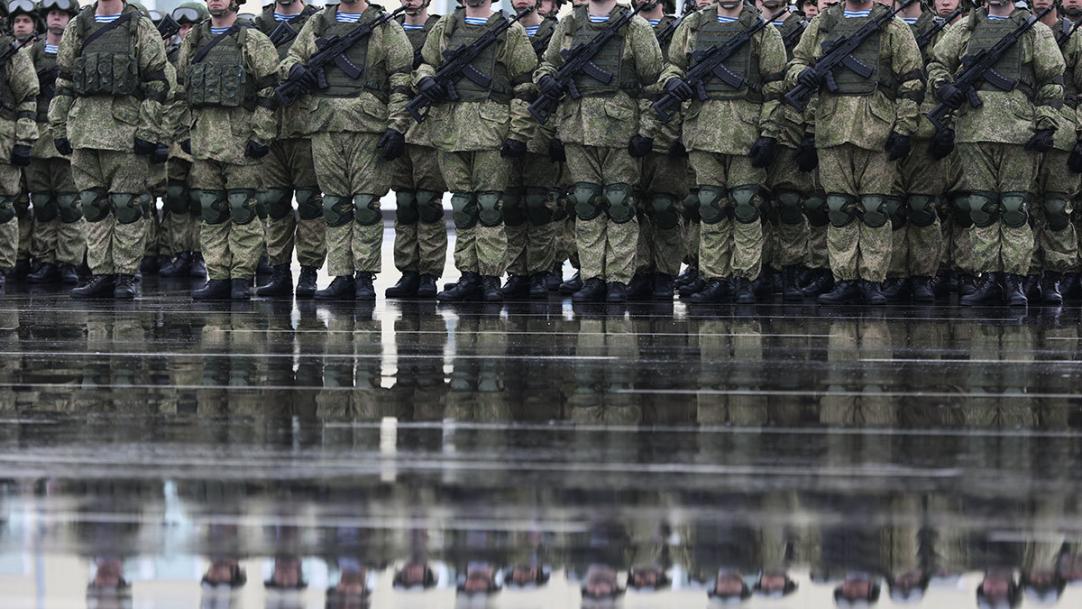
(406,286)
(214,289)
(872,292)
(1013,290)
(715,291)
(844,292)
(1050,288)
(342,287)
(99,286)
(306,282)
(923,289)
(985,291)
(280,284)
(426,287)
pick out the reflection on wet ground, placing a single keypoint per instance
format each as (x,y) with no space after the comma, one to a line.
(164,454)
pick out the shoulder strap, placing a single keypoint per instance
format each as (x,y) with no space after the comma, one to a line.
(108,27)
(201,54)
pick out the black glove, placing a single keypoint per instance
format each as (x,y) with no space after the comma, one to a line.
(557,154)
(186,146)
(430,89)
(679,88)
(942,143)
(762,151)
(640,146)
(512,149)
(808,79)
(1074,162)
(807,157)
(161,155)
(678,150)
(301,74)
(63,146)
(1041,141)
(549,86)
(950,95)
(391,144)
(255,150)
(898,146)
(20,155)
(143,147)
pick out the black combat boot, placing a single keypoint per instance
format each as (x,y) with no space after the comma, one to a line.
(923,289)
(306,282)
(126,288)
(692,287)
(46,272)
(1031,287)
(663,287)
(280,284)
(364,290)
(791,291)
(691,273)
(743,291)
(179,266)
(68,274)
(844,292)
(640,289)
(99,286)
(264,266)
(21,270)
(872,293)
(213,289)
(616,292)
(1014,293)
(198,266)
(713,292)
(1050,289)
(539,289)
(897,289)
(555,278)
(490,289)
(240,288)
(426,287)
(149,265)
(517,287)
(573,285)
(593,290)
(821,283)
(342,287)
(967,283)
(985,291)
(468,288)
(406,287)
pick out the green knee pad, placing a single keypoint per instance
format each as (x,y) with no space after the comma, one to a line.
(588,202)
(894,208)
(464,210)
(747,203)
(241,205)
(621,204)
(127,207)
(789,207)
(45,207)
(489,209)
(664,212)
(148,203)
(983,208)
(214,208)
(366,210)
(921,210)
(1014,209)
(690,206)
(309,204)
(7,209)
(841,209)
(430,206)
(537,208)
(514,212)
(95,204)
(405,207)
(815,210)
(875,210)
(176,198)
(67,204)
(712,207)
(1055,205)
(959,205)
(337,211)
(275,203)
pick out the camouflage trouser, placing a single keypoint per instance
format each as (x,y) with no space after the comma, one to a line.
(476,181)
(420,235)
(10,186)
(353,178)
(789,191)
(180,212)
(58,226)
(1057,242)
(25,219)
(998,175)
(917,248)
(606,229)
(662,189)
(957,230)
(730,209)
(857,183)
(156,181)
(565,220)
(231,233)
(111,186)
(529,204)
(287,171)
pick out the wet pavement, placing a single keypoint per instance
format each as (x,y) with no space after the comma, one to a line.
(165,454)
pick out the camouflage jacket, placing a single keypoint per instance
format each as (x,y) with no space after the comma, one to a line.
(792,124)
(925,23)
(731,126)
(1006,117)
(607,120)
(291,119)
(864,121)
(1068,121)
(481,125)
(542,134)
(389,48)
(46,70)
(176,115)
(220,133)
(664,133)
(418,133)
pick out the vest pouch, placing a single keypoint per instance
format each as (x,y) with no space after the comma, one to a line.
(233,80)
(78,74)
(197,86)
(104,80)
(125,75)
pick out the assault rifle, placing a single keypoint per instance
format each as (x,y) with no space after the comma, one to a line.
(791,39)
(580,59)
(457,63)
(168,27)
(331,50)
(929,35)
(541,43)
(283,33)
(839,53)
(665,35)
(1063,36)
(981,67)
(710,63)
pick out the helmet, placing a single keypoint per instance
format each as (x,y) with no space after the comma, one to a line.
(190,12)
(23,7)
(70,7)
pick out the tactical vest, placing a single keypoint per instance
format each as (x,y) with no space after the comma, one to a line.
(835,26)
(659,29)
(927,21)
(460,34)
(268,25)
(221,78)
(987,33)
(339,84)
(610,59)
(45,66)
(543,36)
(417,37)
(108,65)
(1070,91)
(743,62)
(788,30)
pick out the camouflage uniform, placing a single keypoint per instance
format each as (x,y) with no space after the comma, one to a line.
(181,211)
(102,118)
(58,228)
(17,128)
(730,198)
(345,122)
(999,172)
(226,116)
(852,129)
(595,130)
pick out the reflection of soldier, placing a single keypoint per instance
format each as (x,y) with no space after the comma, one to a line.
(478,379)
(998,590)
(351,369)
(107,588)
(596,390)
